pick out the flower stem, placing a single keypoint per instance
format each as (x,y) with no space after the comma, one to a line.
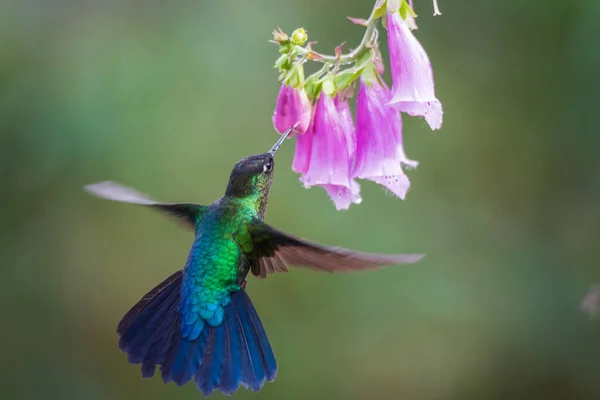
(321,71)
(369,37)
(436,10)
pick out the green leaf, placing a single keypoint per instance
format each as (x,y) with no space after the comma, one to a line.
(384,23)
(294,80)
(295,76)
(364,58)
(313,88)
(346,78)
(285,48)
(410,10)
(403,10)
(369,74)
(380,11)
(283,63)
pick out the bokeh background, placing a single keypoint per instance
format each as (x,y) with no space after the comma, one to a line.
(167,96)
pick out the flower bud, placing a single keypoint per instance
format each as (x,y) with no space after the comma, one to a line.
(299,37)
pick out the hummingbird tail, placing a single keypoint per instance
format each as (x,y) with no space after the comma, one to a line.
(236,352)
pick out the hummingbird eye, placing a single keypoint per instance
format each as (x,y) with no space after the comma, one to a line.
(268,166)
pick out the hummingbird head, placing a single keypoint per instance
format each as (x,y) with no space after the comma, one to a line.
(252,176)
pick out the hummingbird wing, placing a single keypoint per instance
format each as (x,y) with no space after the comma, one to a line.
(273,251)
(187,213)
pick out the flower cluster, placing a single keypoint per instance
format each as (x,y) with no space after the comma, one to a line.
(334,148)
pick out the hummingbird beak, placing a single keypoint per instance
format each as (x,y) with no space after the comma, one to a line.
(277,145)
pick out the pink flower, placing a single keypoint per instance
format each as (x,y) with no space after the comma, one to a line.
(329,164)
(412,75)
(292,106)
(379,150)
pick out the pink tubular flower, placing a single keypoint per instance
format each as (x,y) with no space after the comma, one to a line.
(292,106)
(379,150)
(330,163)
(412,75)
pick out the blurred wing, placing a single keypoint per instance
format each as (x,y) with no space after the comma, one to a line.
(188,214)
(274,250)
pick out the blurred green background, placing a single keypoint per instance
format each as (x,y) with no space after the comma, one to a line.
(167,96)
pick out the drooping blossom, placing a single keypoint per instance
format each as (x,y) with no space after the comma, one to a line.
(379,149)
(292,106)
(329,164)
(412,75)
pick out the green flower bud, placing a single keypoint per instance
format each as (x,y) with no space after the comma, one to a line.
(299,36)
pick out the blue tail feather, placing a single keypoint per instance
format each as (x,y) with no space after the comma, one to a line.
(145,324)
(250,346)
(232,372)
(186,350)
(245,364)
(208,376)
(170,353)
(143,304)
(151,331)
(161,341)
(155,354)
(236,352)
(193,361)
(268,356)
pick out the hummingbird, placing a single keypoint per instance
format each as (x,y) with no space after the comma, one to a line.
(199,324)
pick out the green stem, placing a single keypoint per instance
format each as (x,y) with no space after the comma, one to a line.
(369,37)
(320,72)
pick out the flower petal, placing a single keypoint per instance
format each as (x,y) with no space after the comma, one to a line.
(412,75)
(343,196)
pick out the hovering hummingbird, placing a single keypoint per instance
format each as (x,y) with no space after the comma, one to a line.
(199,324)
